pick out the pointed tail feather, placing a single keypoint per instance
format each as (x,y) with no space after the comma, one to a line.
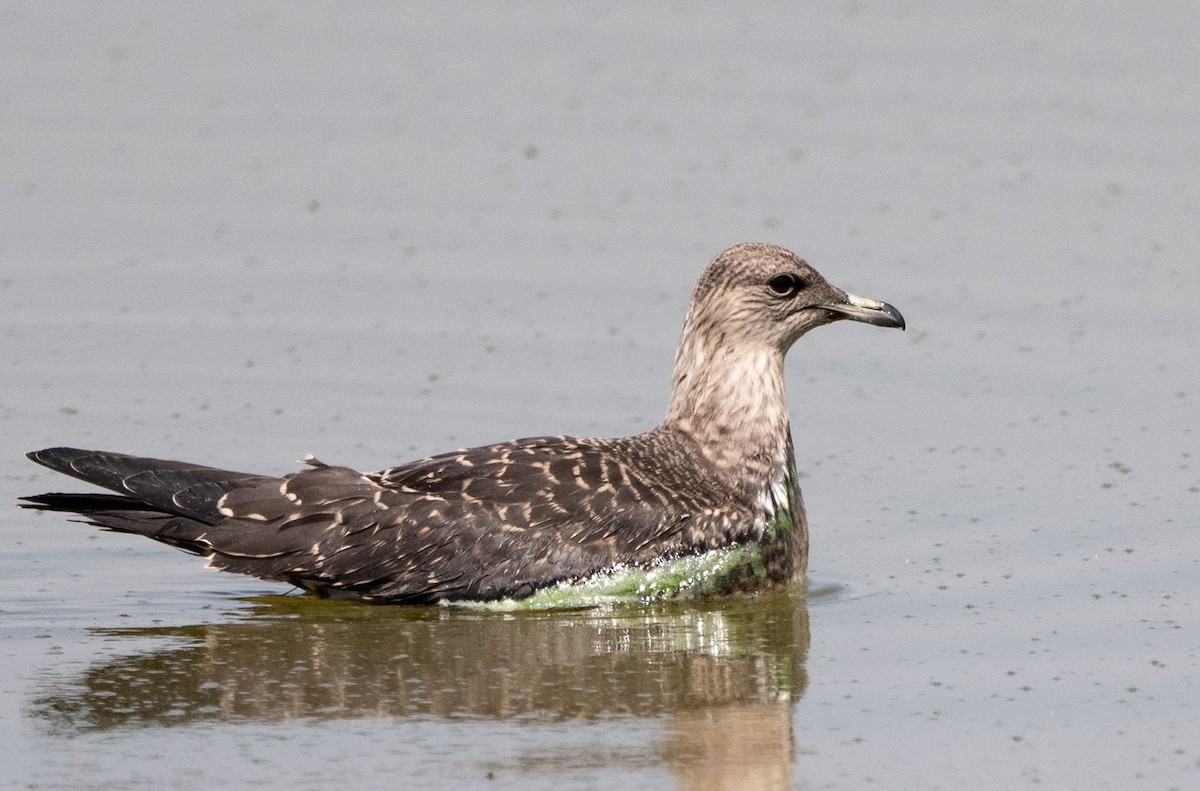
(126,515)
(189,490)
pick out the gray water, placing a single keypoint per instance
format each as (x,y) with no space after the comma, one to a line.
(240,234)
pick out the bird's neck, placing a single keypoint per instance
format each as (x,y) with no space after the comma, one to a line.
(734,407)
(731,401)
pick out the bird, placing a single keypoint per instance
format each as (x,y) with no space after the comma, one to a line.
(706,503)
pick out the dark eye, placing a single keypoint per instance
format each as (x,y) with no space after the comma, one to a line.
(785,285)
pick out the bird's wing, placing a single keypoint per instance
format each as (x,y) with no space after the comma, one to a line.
(501,520)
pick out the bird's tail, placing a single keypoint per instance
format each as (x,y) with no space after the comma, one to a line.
(174,486)
(126,515)
(169,501)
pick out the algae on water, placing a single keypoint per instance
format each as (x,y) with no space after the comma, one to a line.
(710,573)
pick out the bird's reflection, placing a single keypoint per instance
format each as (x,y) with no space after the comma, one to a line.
(722,676)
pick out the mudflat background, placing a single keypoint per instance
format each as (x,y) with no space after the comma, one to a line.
(241,234)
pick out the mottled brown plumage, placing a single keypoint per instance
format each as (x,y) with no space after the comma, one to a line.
(505,520)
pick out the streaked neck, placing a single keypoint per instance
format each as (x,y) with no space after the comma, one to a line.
(732,402)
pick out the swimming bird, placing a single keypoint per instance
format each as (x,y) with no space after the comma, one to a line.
(705,503)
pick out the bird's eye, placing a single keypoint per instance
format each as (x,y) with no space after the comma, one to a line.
(785,285)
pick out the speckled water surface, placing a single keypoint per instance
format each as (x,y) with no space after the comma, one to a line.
(239,235)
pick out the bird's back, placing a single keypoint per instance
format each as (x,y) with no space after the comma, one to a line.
(498,521)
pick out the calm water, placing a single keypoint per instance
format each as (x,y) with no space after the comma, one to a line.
(239,236)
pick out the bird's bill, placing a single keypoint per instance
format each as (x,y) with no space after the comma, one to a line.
(881,314)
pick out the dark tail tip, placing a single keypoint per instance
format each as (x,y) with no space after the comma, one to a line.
(57,459)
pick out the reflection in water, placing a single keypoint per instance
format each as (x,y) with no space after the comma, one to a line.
(722,676)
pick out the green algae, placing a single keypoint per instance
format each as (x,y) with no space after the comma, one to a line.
(711,573)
